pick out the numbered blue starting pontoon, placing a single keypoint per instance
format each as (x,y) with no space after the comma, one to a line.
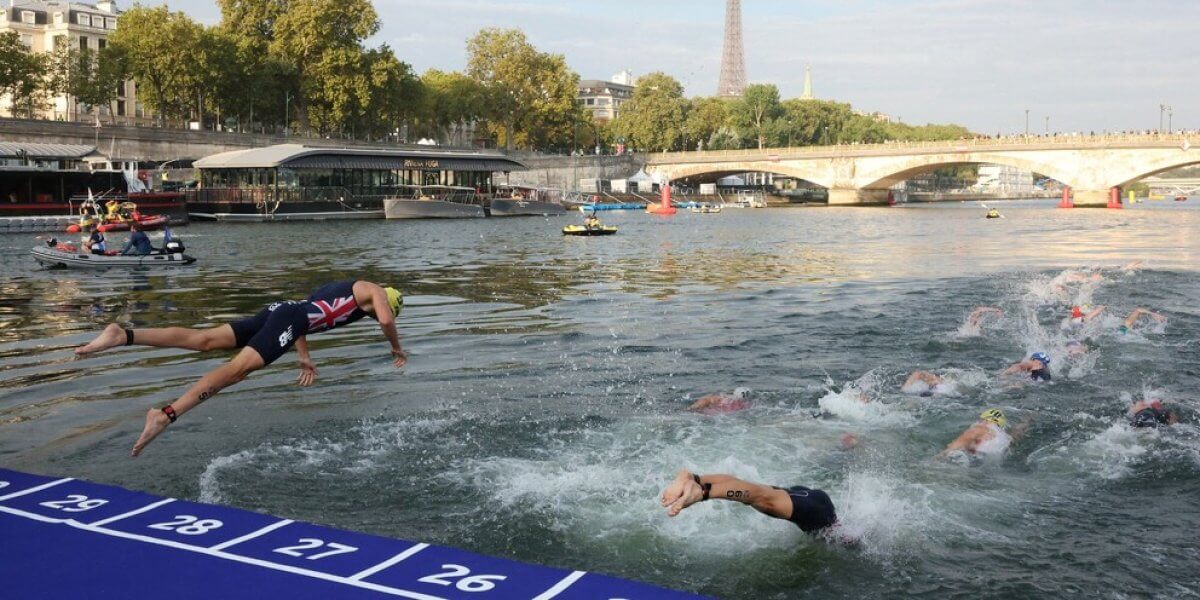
(65,538)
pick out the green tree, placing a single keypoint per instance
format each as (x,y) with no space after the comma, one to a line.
(22,77)
(159,47)
(654,118)
(705,117)
(453,102)
(89,77)
(530,95)
(756,110)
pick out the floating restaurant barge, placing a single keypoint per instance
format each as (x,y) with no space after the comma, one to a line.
(295,182)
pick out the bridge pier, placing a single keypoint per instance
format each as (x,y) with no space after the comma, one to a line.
(856,197)
(1091,198)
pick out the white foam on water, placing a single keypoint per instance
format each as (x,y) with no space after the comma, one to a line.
(364,449)
(881,514)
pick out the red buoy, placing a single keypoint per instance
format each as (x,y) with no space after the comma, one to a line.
(73,228)
(665,208)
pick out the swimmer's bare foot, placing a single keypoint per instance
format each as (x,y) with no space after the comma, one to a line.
(681,493)
(156,423)
(111,337)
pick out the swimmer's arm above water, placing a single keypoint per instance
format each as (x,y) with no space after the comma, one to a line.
(308,369)
(387,323)
(685,491)
(966,442)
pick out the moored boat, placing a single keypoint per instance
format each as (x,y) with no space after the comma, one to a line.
(514,201)
(71,257)
(435,202)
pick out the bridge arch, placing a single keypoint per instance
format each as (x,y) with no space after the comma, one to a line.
(1150,168)
(718,170)
(899,169)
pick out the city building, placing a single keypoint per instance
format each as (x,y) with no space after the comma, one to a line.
(1004,179)
(604,98)
(42,24)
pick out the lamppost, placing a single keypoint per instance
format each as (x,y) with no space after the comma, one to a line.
(287,105)
(1170,119)
(1161,109)
(1027,122)
(1047,125)
(789,144)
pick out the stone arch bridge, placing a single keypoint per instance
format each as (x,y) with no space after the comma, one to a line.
(862,174)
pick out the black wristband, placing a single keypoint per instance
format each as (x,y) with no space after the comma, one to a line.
(128,337)
(707,487)
(170,412)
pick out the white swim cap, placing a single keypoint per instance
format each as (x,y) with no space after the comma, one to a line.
(741,393)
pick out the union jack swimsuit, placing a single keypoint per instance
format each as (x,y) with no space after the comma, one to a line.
(331,306)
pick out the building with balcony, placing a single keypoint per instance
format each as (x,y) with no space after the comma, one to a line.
(42,25)
(604,98)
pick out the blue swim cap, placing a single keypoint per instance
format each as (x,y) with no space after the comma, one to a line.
(1041,357)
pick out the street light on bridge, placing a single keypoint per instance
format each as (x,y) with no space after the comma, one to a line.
(1047,125)
(1027,122)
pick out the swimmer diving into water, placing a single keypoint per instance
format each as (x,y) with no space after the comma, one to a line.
(262,338)
(811,510)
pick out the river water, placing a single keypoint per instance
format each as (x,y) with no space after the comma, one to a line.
(542,410)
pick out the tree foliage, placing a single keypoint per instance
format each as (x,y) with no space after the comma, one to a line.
(22,77)
(756,111)
(90,76)
(529,95)
(655,117)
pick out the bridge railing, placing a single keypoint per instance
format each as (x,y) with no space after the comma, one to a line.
(1033,142)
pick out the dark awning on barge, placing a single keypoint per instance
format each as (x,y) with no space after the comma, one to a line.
(294,156)
(44,151)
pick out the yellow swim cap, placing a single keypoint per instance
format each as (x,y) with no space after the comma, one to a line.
(395,300)
(994,416)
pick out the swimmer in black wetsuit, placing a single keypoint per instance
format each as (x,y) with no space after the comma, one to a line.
(811,510)
(263,338)
(1037,365)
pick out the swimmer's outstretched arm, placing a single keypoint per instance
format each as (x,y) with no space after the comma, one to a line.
(308,369)
(1133,317)
(706,402)
(246,362)
(387,323)
(1095,313)
(1021,367)
(978,314)
(684,492)
(966,442)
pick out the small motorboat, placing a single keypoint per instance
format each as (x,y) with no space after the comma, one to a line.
(1181,198)
(581,230)
(71,257)
(994,214)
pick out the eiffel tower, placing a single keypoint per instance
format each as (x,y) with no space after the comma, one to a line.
(733,59)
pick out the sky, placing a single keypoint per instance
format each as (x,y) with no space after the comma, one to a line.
(1088,65)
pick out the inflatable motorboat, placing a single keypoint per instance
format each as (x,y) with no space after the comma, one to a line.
(581,230)
(68,256)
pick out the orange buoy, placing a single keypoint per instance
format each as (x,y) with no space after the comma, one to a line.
(73,228)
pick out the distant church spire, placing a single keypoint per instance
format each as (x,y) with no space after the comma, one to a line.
(808,94)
